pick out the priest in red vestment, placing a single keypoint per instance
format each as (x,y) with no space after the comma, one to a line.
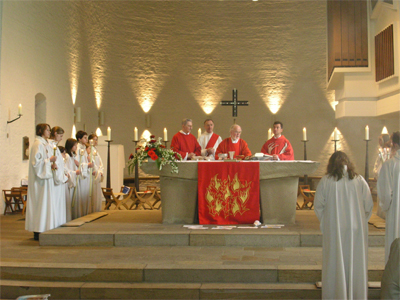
(209,141)
(186,143)
(278,146)
(234,143)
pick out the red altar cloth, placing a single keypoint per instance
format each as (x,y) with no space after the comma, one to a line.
(228,192)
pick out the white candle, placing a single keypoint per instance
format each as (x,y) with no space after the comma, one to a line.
(55,148)
(367,132)
(304,134)
(269,133)
(109,133)
(136,135)
(336,134)
(20,109)
(165,135)
(199,133)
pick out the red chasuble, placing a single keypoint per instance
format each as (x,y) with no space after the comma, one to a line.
(212,141)
(228,192)
(240,147)
(280,146)
(182,144)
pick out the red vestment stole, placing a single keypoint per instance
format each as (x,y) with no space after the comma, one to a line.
(212,141)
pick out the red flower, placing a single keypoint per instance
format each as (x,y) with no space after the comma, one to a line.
(147,148)
(152,141)
(152,155)
(131,156)
(162,146)
(152,137)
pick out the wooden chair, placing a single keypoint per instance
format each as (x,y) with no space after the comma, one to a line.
(12,198)
(22,200)
(112,199)
(307,195)
(157,195)
(142,198)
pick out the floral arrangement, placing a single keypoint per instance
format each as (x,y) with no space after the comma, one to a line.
(155,150)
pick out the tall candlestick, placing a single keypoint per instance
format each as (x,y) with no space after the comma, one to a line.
(136,135)
(20,109)
(336,134)
(366,132)
(199,133)
(165,135)
(269,133)
(109,133)
(304,134)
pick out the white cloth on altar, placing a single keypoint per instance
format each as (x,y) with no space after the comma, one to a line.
(203,141)
(389,199)
(97,194)
(344,208)
(40,208)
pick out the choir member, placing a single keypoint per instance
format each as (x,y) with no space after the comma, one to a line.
(383,155)
(209,141)
(343,205)
(234,143)
(278,146)
(185,143)
(389,194)
(40,210)
(72,166)
(97,194)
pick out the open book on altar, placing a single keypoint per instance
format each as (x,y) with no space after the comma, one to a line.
(261,156)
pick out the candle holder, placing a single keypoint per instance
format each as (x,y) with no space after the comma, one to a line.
(335,141)
(305,158)
(136,169)
(19,116)
(108,165)
(366,161)
(165,143)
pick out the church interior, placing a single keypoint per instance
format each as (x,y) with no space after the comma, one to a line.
(331,67)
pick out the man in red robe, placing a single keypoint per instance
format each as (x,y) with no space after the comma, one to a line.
(234,143)
(278,146)
(186,143)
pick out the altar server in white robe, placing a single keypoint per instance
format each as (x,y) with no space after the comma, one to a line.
(343,204)
(209,141)
(83,201)
(389,194)
(97,194)
(41,209)
(59,175)
(72,166)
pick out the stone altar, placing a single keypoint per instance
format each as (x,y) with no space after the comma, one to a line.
(278,190)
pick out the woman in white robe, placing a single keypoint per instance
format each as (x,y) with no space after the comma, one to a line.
(343,204)
(40,208)
(60,178)
(97,194)
(389,194)
(73,171)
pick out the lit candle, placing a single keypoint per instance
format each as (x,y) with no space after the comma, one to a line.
(384,130)
(55,148)
(304,134)
(109,133)
(136,134)
(269,133)
(165,135)
(367,132)
(20,109)
(199,133)
(336,134)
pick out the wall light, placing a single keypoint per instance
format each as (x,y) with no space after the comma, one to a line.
(384,130)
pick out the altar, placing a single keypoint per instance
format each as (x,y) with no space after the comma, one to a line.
(278,190)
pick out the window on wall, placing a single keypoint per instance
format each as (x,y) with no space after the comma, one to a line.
(40,108)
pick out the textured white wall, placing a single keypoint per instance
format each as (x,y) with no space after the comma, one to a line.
(179,57)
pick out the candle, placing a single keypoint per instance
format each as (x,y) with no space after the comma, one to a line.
(165,135)
(109,133)
(269,133)
(304,134)
(367,132)
(136,135)
(55,148)
(336,134)
(20,109)
(384,130)
(199,133)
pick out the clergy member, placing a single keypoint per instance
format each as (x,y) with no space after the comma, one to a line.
(40,206)
(97,194)
(278,146)
(209,141)
(234,143)
(389,194)
(343,205)
(185,143)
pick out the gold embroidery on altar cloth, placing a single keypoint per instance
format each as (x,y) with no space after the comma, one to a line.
(227,197)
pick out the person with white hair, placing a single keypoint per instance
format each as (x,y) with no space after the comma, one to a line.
(185,143)
(234,143)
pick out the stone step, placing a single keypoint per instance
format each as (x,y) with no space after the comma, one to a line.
(167,273)
(11,289)
(179,236)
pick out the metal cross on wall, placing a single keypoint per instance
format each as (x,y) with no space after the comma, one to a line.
(235,103)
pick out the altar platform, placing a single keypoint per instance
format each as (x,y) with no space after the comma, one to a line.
(121,228)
